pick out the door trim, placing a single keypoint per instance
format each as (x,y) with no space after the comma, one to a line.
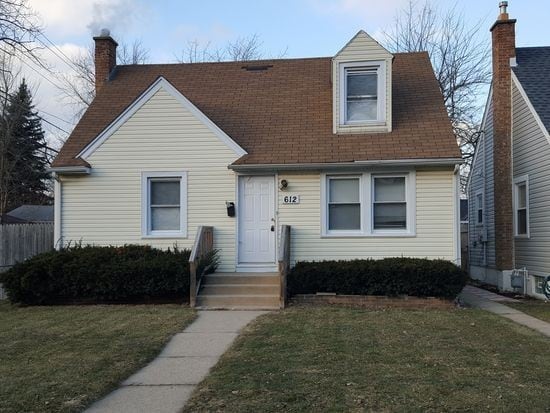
(255,267)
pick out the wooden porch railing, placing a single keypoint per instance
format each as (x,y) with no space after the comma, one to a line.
(284,261)
(204,243)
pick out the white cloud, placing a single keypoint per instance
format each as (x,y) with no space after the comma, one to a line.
(75,18)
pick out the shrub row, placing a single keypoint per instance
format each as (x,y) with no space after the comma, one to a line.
(99,274)
(389,276)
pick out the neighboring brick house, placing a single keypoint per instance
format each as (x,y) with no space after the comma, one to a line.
(355,152)
(509,188)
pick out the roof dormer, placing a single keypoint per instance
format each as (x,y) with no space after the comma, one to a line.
(362,87)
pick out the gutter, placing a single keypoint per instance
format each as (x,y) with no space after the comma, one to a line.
(71,170)
(346,165)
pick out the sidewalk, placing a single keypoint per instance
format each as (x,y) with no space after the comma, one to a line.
(486,300)
(165,384)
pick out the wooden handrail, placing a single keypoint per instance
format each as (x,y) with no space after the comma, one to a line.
(284,262)
(204,244)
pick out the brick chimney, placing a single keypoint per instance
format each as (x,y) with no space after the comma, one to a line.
(105,58)
(504,49)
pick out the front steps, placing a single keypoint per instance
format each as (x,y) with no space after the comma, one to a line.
(241,291)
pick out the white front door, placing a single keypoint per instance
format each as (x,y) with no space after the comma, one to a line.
(256,211)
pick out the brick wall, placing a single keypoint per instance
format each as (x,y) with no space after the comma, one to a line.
(373,301)
(105,59)
(503,38)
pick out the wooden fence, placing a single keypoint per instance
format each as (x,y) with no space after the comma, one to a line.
(21,241)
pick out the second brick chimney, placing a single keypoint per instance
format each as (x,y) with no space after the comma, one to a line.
(105,58)
(504,49)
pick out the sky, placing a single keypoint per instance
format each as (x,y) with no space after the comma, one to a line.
(297,28)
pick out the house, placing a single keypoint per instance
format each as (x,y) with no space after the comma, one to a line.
(355,153)
(508,187)
(30,213)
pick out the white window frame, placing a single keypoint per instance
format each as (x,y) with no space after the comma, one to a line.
(380,67)
(146,231)
(521,180)
(366,195)
(476,208)
(361,205)
(388,231)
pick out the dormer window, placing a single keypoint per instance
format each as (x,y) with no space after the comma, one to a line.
(363,91)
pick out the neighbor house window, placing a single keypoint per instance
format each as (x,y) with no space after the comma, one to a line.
(164,199)
(521,206)
(344,204)
(362,93)
(389,209)
(479,208)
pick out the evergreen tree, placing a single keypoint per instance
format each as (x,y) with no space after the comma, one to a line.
(23,164)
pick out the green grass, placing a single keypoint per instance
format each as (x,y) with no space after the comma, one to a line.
(350,360)
(535,308)
(60,359)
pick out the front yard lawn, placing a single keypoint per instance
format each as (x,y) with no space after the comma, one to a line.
(338,359)
(535,308)
(60,359)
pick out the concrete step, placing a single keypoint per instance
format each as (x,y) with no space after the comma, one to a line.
(258,301)
(241,278)
(239,289)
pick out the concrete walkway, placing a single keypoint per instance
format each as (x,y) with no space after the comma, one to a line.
(486,300)
(165,384)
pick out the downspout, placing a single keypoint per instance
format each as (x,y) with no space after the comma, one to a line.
(456,225)
(57,236)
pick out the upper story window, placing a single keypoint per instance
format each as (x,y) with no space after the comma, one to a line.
(521,206)
(362,93)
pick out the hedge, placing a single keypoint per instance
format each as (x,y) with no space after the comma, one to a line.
(99,274)
(389,276)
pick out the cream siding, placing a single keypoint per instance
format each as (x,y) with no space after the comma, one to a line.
(361,48)
(105,207)
(531,150)
(435,218)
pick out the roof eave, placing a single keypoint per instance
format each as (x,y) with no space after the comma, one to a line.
(356,165)
(71,170)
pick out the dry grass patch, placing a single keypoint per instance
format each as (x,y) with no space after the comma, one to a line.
(536,308)
(60,359)
(337,359)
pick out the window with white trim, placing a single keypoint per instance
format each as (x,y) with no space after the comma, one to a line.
(389,203)
(479,208)
(521,206)
(344,203)
(362,93)
(164,204)
(369,204)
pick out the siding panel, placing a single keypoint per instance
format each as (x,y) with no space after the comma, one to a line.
(105,208)
(434,223)
(531,151)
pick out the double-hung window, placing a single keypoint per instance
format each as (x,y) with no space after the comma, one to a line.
(521,206)
(164,204)
(369,204)
(389,203)
(362,93)
(344,203)
(479,208)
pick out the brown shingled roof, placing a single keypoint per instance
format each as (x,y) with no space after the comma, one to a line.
(283,115)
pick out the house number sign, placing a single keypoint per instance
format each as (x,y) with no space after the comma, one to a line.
(291,199)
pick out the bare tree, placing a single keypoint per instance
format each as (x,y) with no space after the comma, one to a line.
(78,87)
(240,50)
(19,30)
(461,60)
